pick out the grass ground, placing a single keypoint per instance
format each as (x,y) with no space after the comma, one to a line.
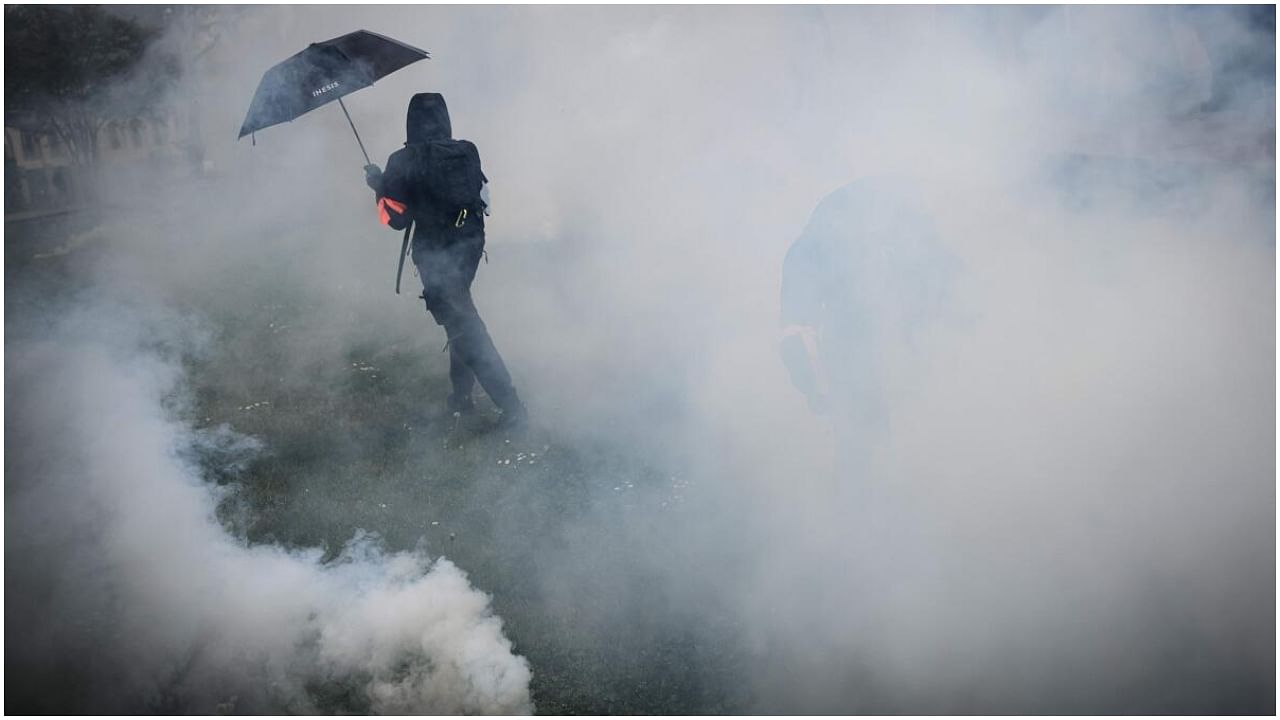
(568,535)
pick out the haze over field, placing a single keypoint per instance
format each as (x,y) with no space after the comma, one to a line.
(222,494)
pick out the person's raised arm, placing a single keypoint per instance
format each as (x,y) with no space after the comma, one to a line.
(801,308)
(389,193)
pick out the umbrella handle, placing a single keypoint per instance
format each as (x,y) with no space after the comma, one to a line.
(367,161)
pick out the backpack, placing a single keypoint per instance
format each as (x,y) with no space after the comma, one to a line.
(451,178)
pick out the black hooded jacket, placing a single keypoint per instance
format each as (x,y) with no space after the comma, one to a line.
(428,119)
(412,187)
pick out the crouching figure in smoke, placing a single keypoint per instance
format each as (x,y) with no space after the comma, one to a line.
(864,276)
(435,182)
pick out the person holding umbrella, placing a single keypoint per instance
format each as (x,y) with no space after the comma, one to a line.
(435,183)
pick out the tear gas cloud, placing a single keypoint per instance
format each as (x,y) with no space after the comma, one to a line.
(1068,506)
(163,606)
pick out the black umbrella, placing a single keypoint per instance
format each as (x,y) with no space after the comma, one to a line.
(324,72)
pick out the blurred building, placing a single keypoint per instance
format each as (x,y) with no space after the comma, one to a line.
(162,142)
(40,176)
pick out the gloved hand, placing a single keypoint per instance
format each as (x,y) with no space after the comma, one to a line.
(373,177)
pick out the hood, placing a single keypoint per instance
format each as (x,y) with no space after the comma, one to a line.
(428,119)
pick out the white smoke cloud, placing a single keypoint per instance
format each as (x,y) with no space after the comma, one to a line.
(175,610)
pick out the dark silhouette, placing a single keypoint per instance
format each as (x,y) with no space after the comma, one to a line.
(868,271)
(435,183)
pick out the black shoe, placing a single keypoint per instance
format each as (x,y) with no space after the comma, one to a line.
(513,418)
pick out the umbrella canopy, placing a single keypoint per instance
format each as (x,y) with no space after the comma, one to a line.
(325,72)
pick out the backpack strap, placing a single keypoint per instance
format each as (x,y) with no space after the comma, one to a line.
(404,249)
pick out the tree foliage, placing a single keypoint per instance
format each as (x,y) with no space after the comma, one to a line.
(74,69)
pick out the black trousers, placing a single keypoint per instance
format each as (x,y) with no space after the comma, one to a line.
(447,270)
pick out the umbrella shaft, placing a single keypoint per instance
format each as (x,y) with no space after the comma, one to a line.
(353,129)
